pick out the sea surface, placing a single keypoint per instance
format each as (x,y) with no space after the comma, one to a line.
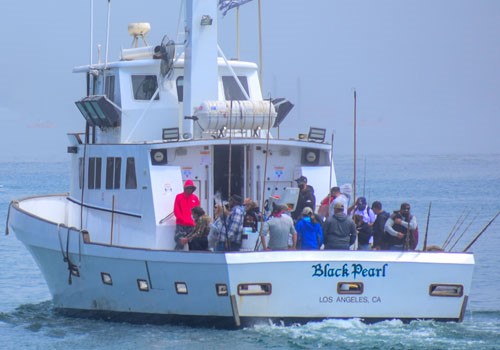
(465,195)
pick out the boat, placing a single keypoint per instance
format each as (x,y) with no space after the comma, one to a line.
(164,114)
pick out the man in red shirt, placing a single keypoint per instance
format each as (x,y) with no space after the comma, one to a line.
(183,204)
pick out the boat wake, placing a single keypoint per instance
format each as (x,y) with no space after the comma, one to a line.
(31,316)
(478,330)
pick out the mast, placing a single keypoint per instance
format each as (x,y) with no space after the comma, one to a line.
(200,62)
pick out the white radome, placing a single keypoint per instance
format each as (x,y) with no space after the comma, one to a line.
(139,29)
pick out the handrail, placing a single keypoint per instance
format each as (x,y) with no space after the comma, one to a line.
(104,209)
(168,217)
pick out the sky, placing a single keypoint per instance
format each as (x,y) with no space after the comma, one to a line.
(426,73)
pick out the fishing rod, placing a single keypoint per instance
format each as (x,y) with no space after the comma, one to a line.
(463,232)
(230,150)
(458,227)
(427,227)
(480,233)
(354,165)
(364,180)
(330,179)
(454,226)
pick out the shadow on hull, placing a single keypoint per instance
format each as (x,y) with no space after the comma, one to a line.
(216,322)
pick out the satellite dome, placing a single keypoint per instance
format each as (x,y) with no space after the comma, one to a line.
(139,29)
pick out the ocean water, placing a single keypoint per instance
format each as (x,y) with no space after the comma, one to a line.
(464,191)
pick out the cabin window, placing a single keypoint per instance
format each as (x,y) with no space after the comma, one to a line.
(95,84)
(94,173)
(145,87)
(180,88)
(446,290)
(130,177)
(80,172)
(110,87)
(113,166)
(350,288)
(254,289)
(231,89)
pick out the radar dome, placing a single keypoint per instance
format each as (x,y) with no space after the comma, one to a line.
(139,29)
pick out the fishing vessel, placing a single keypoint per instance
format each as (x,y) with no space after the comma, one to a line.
(161,115)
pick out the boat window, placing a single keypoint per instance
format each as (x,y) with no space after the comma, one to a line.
(145,87)
(180,88)
(254,289)
(95,84)
(130,177)
(231,89)
(74,270)
(110,87)
(113,167)
(221,289)
(85,236)
(350,288)
(80,172)
(143,285)
(94,174)
(106,278)
(446,290)
(181,288)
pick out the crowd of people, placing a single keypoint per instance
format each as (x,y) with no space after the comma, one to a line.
(336,225)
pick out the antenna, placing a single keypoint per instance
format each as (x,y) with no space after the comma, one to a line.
(107,32)
(91,30)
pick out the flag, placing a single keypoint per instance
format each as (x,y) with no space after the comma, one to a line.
(226,5)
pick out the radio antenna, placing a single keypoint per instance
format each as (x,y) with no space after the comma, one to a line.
(107,32)
(91,30)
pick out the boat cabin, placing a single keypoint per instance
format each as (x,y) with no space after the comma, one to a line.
(142,142)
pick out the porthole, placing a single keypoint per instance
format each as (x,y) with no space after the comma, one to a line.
(221,289)
(254,289)
(446,290)
(181,288)
(106,278)
(350,288)
(143,285)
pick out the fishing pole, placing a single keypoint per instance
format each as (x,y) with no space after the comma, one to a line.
(230,174)
(364,179)
(427,227)
(463,232)
(454,226)
(330,182)
(458,227)
(480,233)
(354,165)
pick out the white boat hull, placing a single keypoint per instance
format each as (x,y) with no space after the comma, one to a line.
(295,286)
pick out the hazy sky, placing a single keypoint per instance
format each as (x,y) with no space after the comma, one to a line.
(426,72)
